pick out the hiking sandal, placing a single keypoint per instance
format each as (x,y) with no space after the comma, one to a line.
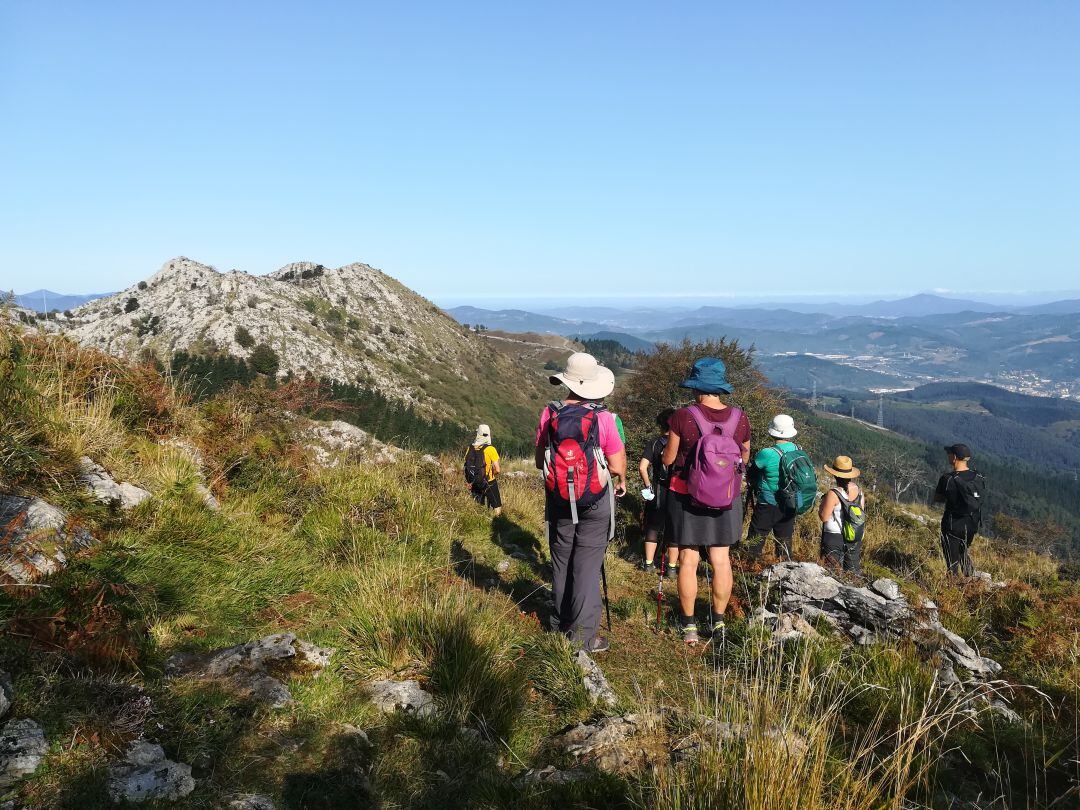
(690,634)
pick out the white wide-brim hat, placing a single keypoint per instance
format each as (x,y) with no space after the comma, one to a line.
(783,427)
(585,377)
(483,435)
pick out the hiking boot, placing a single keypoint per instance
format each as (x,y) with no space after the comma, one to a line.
(719,629)
(649,567)
(689,634)
(597,644)
(672,573)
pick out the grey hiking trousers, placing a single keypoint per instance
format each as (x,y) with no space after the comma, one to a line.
(577,553)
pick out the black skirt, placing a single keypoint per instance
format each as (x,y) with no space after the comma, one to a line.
(693,525)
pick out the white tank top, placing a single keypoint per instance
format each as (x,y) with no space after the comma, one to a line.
(834,525)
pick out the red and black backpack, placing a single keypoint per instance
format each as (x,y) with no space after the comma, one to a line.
(575,472)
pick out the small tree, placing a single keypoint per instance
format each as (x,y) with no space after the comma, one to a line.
(131,304)
(243,337)
(264,360)
(654,385)
(142,285)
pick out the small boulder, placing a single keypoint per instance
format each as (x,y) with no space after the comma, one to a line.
(1003,711)
(37,538)
(503,566)
(105,488)
(548,776)
(405,696)
(886,587)
(6,694)
(244,666)
(22,747)
(610,744)
(600,691)
(793,627)
(145,774)
(714,733)
(251,801)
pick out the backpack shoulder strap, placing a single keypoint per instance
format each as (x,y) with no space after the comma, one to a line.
(731,421)
(704,426)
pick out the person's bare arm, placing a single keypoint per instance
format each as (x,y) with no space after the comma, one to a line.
(671,449)
(495,468)
(746,452)
(617,467)
(643,471)
(828,504)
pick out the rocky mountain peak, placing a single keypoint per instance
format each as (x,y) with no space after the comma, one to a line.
(353,324)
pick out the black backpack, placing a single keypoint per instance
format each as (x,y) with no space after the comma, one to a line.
(475,466)
(965,496)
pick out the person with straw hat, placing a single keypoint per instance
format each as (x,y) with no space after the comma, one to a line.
(583,459)
(482,470)
(843,517)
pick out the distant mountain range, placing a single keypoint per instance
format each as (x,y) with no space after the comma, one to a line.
(47,300)
(919,338)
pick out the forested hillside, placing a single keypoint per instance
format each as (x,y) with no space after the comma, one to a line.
(1046,500)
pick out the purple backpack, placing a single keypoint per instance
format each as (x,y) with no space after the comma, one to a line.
(715,468)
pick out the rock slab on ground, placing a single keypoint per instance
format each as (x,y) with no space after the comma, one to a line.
(97,480)
(612,744)
(251,801)
(37,538)
(6,695)
(244,666)
(22,747)
(714,733)
(867,614)
(600,691)
(401,696)
(145,775)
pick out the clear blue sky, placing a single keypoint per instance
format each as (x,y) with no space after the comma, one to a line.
(501,148)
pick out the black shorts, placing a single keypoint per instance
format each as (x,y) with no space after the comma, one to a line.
(770,518)
(489,495)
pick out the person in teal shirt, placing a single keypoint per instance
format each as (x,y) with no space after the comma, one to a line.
(764,476)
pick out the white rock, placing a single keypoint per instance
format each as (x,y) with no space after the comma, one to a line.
(244,666)
(600,691)
(37,538)
(147,775)
(106,489)
(404,696)
(886,587)
(22,748)
(6,695)
(251,801)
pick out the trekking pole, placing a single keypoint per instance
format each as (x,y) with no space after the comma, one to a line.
(607,604)
(662,548)
(708,581)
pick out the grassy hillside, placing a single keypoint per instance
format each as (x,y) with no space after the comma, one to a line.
(405,577)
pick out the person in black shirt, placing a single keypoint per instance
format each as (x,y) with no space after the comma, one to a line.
(961,492)
(654,477)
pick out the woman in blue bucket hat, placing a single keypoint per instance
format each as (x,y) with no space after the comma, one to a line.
(708,448)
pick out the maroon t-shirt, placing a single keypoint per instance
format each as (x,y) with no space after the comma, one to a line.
(682,424)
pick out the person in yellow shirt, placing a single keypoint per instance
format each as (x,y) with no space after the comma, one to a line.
(482,470)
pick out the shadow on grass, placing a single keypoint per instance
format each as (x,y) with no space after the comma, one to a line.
(529,594)
(342,783)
